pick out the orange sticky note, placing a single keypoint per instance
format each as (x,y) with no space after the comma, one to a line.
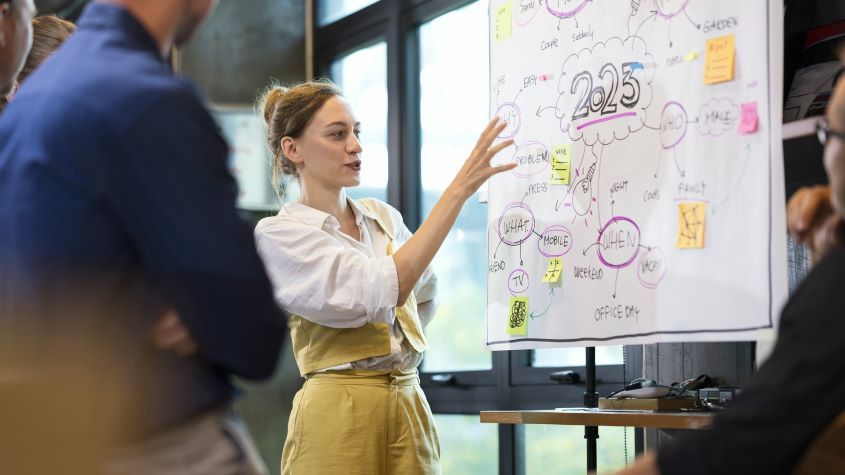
(518,316)
(719,62)
(691,218)
(504,22)
(748,123)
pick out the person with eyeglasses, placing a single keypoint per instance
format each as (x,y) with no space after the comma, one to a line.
(810,212)
(800,390)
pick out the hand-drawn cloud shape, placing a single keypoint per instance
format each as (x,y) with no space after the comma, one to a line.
(605,91)
(717,116)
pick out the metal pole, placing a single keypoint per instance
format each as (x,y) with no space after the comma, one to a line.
(591,399)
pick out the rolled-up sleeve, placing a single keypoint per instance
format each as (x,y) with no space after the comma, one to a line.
(426,293)
(315,277)
(425,289)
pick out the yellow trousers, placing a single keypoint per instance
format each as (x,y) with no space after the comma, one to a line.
(361,422)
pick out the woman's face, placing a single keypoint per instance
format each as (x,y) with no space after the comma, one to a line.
(327,153)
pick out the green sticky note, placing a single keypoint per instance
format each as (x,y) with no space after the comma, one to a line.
(518,316)
(504,22)
(561,164)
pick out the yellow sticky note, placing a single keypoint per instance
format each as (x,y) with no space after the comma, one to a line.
(561,164)
(518,316)
(691,56)
(504,22)
(719,62)
(691,219)
(552,274)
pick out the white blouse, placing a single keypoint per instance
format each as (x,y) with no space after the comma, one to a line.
(329,278)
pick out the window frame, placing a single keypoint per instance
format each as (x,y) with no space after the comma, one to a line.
(511,383)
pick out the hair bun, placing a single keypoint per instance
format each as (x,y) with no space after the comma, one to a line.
(272,97)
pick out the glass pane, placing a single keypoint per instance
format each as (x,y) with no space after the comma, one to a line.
(332,10)
(466,445)
(250,160)
(562,449)
(452,115)
(363,77)
(553,357)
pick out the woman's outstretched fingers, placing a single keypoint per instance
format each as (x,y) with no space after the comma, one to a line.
(503,168)
(490,134)
(498,148)
(494,122)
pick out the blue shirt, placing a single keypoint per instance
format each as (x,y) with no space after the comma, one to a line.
(115,202)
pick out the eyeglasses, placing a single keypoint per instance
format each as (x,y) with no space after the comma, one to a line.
(824,133)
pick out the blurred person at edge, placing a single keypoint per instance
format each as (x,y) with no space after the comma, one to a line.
(48,33)
(800,389)
(15,39)
(124,267)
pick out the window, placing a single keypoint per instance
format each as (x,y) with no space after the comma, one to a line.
(363,77)
(466,446)
(249,157)
(452,116)
(561,450)
(605,355)
(331,10)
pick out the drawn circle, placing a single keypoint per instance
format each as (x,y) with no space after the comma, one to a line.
(526,13)
(651,268)
(669,8)
(555,241)
(619,250)
(673,124)
(518,222)
(566,13)
(518,285)
(532,158)
(510,114)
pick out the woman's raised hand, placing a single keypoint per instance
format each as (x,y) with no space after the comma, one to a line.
(477,168)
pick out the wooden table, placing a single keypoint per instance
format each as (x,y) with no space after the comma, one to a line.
(602,417)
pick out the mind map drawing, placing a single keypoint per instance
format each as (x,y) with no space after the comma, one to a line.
(642,207)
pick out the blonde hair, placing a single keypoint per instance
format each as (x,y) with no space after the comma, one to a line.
(287,112)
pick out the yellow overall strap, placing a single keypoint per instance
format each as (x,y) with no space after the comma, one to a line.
(406,315)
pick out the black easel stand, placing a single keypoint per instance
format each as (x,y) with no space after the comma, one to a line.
(591,399)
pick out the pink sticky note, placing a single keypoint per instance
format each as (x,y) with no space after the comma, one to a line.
(748,122)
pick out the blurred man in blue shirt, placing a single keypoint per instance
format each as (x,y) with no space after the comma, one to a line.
(119,239)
